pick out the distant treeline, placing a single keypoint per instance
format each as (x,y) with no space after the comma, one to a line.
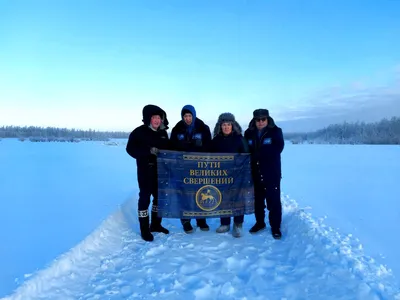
(384,132)
(54,134)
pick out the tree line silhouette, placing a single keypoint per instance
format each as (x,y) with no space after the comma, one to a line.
(386,131)
(58,134)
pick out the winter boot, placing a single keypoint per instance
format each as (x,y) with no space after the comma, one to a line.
(202,224)
(187,227)
(144,226)
(237,230)
(276,233)
(156,222)
(257,227)
(223,228)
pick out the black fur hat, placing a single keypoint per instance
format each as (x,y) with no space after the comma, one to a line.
(224,118)
(261,113)
(152,110)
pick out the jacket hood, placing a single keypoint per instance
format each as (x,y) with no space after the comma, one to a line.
(152,110)
(227,117)
(189,108)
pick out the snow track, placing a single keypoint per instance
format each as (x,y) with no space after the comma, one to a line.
(312,261)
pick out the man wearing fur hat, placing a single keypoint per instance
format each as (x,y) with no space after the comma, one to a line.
(143,145)
(266,144)
(228,138)
(191,135)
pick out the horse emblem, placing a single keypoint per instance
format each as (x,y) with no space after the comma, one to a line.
(208,197)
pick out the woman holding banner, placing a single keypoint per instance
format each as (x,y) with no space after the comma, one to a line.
(228,138)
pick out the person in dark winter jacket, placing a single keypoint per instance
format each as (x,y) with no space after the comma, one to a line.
(191,135)
(228,138)
(266,144)
(143,144)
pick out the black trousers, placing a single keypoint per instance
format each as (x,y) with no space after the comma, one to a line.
(236,220)
(198,221)
(269,192)
(148,186)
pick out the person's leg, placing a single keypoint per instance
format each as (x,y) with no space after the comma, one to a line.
(155,219)
(202,224)
(238,219)
(238,226)
(274,206)
(259,207)
(225,225)
(143,206)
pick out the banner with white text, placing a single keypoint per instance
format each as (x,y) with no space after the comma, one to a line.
(204,185)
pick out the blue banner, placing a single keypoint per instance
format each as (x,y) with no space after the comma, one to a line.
(204,185)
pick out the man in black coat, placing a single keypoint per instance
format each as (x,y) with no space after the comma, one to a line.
(266,144)
(191,135)
(143,145)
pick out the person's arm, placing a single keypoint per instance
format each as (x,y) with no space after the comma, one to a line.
(277,141)
(136,146)
(211,146)
(173,140)
(206,136)
(244,146)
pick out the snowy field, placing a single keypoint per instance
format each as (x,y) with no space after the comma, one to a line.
(69,230)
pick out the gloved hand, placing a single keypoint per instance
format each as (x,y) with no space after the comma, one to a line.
(154,151)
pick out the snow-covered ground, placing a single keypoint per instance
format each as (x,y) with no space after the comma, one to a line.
(69,212)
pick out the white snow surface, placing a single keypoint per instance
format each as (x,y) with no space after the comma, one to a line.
(312,261)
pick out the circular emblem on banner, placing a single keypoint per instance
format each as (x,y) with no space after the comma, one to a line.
(208,197)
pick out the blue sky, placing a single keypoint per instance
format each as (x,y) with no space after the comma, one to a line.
(95,64)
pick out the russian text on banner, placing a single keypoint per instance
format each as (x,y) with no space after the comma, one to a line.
(198,185)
